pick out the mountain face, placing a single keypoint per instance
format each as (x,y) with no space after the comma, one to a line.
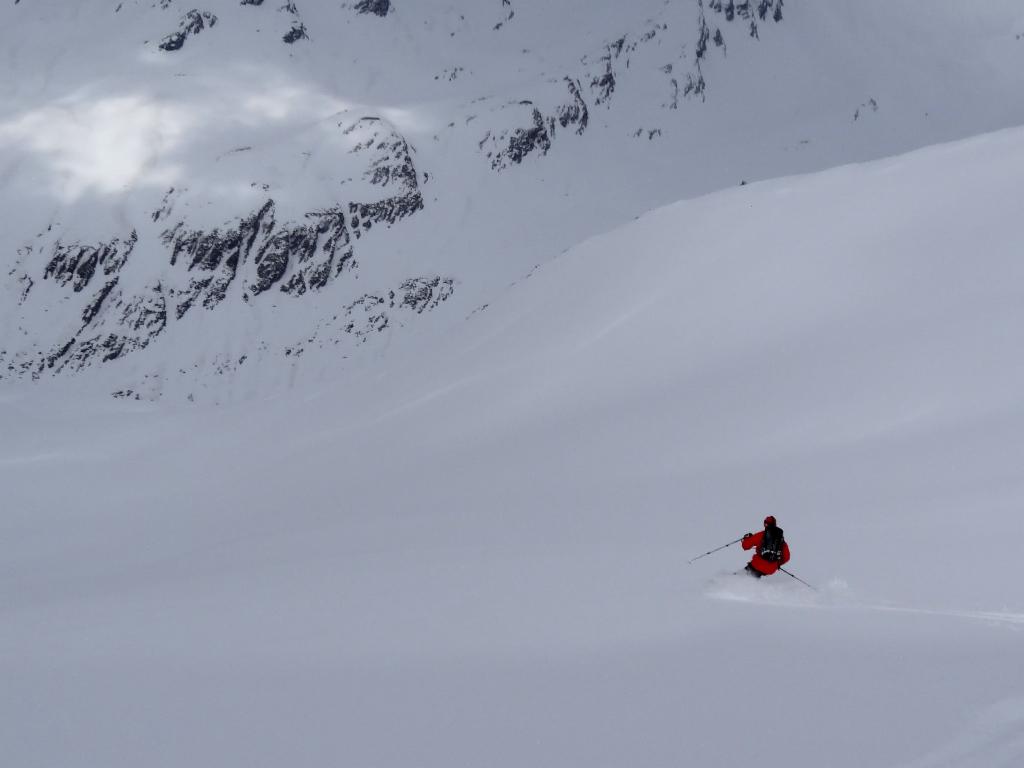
(210,200)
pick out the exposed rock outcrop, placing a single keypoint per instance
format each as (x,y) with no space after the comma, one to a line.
(377,7)
(238,262)
(192,23)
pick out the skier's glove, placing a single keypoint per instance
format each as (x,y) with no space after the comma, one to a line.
(747,535)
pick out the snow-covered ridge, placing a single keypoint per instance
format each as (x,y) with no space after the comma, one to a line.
(261,250)
(209,183)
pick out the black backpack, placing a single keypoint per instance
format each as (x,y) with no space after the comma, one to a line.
(772,545)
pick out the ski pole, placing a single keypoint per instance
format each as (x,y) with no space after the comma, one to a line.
(698,557)
(797,578)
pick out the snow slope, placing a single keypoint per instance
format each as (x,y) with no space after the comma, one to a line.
(474,551)
(415,162)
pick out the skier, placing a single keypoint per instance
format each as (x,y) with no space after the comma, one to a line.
(771,551)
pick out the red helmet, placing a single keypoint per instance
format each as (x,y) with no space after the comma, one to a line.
(769,521)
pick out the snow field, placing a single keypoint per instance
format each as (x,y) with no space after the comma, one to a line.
(474,552)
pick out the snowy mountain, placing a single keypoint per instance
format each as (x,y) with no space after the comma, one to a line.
(493,314)
(474,551)
(221,200)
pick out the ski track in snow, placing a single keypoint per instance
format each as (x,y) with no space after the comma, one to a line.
(834,596)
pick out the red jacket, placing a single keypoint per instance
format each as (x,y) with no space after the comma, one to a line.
(759,563)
